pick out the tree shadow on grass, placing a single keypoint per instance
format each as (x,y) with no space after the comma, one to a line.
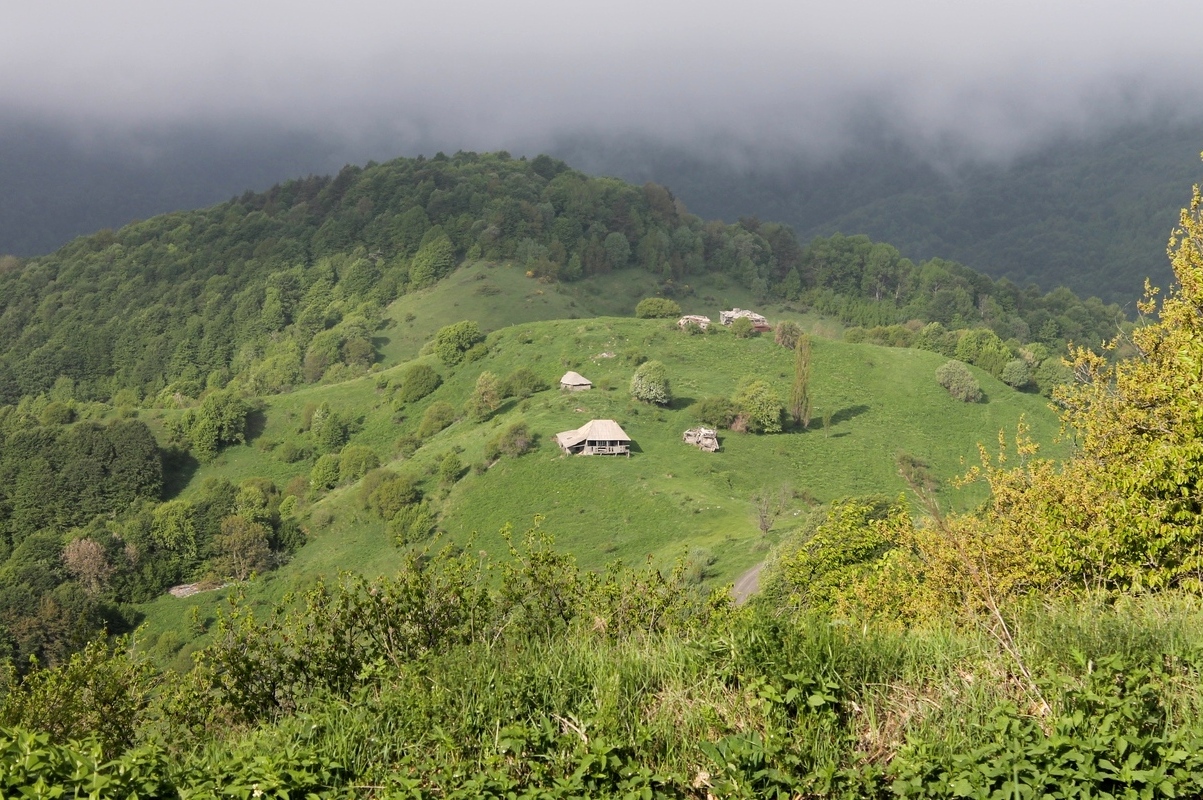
(681,403)
(179,466)
(256,421)
(121,620)
(378,344)
(846,414)
(507,405)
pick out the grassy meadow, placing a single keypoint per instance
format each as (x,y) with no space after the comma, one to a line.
(497,296)
(668,500)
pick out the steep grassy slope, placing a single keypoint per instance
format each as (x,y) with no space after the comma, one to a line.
(665,502)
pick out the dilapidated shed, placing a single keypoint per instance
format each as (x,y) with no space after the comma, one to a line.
(758,321)
(702,438)
(575,382)
(598,437)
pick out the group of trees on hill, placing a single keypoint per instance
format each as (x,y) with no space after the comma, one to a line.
(287,286)
(84,531)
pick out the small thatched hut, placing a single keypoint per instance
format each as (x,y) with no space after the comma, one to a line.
(575,382)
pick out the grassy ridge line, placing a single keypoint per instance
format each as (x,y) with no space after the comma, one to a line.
(668,498)
(498,296)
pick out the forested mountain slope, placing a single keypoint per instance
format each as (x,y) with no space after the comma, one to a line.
(288,286)
(1090,212)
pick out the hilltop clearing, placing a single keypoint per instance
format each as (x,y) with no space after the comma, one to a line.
(497,296)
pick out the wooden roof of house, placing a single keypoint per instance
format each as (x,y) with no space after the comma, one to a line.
(597,430)
(575,379)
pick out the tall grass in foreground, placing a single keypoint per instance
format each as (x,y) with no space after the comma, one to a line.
(823,696)
(554,682)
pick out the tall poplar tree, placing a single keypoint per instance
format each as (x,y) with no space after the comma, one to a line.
(799,396)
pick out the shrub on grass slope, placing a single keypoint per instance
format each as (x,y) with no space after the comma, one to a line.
(959,381)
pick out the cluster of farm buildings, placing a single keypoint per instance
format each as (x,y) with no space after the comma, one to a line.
(606,437)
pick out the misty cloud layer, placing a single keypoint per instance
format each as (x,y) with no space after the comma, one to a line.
(959,79)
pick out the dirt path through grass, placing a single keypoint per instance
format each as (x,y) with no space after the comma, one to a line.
(747,584)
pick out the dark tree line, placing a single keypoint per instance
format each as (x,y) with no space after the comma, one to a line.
(62,476)
(83,534)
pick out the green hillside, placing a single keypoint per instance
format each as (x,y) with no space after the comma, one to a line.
(210,328)
(668,500)
(401,588)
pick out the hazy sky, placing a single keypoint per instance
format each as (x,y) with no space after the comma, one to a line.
(980,76)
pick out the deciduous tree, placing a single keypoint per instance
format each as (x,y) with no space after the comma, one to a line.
(242,548)
(759,407)
(86,560)
(453,341)
(650,384)
(657,308)
(486,397)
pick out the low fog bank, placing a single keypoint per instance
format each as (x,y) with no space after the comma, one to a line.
(59,183)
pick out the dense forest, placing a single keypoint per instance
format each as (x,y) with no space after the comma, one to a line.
(276,289)
(83,531)
(1088,211)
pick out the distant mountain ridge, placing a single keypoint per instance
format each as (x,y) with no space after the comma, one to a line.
(1093,215)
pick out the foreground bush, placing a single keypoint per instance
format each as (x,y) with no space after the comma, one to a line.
(546,681)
